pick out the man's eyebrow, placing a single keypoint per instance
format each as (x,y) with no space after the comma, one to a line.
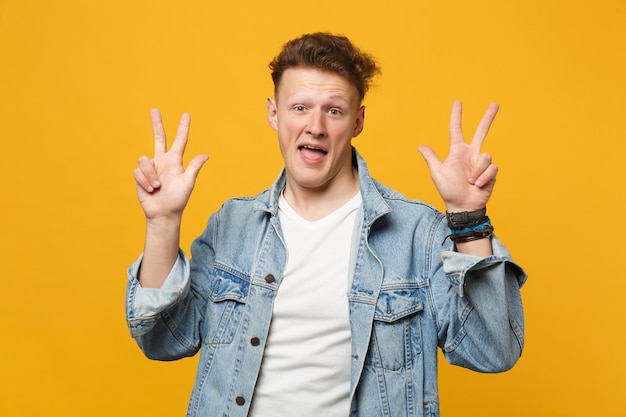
(339,97)
(308,97)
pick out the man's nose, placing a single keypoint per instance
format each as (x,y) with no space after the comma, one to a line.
(317,125)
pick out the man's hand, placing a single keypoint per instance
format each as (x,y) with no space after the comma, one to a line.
(163,186)
(465,179)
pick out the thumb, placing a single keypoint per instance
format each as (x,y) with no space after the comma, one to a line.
(429,156)
(195,165)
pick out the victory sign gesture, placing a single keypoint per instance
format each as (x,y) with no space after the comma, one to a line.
(465,179)
(163,186)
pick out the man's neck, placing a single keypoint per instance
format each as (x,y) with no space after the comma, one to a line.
(314,204)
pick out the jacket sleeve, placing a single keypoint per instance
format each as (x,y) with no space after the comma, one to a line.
(479,309)
(167,322)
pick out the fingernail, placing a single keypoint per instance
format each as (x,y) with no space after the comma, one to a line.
(156,184)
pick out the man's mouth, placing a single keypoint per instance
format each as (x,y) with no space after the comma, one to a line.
(313,149)
(312,154)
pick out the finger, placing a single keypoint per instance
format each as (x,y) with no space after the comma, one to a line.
(160,141)
(487,177)
(484,125)
(180,142)
(482,162)
(429,156)
(148,170)
(142,181)
(195,165)
(456,130)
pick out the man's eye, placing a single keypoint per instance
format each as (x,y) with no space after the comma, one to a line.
(335,112)
(298,108)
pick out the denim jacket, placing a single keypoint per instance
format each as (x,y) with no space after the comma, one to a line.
(409,294)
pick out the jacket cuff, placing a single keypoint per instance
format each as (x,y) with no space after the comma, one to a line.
(456,265)
(143,303)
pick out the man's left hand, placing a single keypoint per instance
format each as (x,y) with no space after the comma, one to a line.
(465,179)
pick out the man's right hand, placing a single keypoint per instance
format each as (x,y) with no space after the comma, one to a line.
(163,186)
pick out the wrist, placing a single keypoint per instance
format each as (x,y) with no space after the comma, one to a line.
(466,219)
(167,220)
(469,226)
(469,234)
(163,227)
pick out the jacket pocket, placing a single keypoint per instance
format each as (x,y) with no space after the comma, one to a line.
(227,300)
(396,337)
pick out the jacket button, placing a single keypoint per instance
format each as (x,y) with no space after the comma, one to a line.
(255,341)
(269,278)
(240,400)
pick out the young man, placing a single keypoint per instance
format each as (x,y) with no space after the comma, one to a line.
(327,294)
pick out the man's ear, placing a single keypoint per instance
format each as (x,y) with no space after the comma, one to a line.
(360,121)
(272,113)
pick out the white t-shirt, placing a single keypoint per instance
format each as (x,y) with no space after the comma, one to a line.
(306,365)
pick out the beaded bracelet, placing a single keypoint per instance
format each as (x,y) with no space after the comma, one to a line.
(474,228)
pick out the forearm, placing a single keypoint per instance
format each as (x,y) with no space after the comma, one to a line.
(152,312)
(160,251)
(494,327)
(485,308)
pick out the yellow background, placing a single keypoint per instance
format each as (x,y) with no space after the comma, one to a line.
(77,80)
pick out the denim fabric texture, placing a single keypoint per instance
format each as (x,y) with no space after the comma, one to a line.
(410,294)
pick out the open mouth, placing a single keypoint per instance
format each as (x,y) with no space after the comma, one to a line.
(312,150)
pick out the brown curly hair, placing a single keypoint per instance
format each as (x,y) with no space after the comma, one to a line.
(326,52)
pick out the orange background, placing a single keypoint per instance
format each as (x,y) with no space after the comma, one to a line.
(77,80)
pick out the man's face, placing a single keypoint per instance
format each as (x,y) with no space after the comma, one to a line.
(316,114)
